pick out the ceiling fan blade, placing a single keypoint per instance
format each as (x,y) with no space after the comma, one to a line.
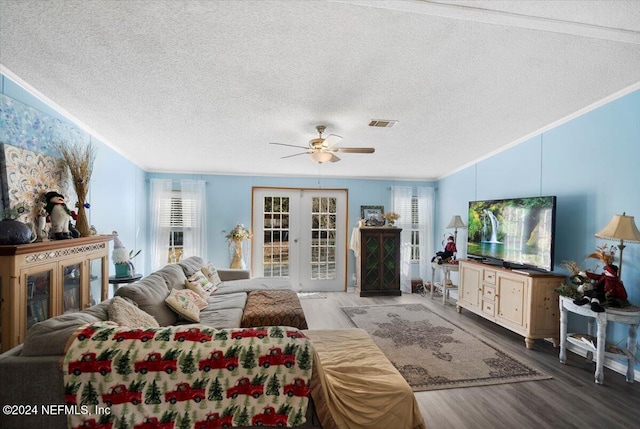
(295,154)
(331,140)
(353,149)
(334,158)
(290,145)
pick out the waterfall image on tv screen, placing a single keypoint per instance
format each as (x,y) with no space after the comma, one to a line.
(518,231)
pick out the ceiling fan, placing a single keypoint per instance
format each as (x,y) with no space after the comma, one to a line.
(322,149)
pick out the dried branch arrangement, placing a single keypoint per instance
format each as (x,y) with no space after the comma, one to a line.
(79,159)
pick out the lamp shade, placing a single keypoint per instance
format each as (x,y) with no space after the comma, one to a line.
(456,222)
(621,227)
(321,157)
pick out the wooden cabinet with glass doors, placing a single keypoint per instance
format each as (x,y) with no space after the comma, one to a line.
(42,280)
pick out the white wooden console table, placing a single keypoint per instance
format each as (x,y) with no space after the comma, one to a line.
(628,316)
(445,284)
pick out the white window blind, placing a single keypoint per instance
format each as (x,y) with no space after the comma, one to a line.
(177,211)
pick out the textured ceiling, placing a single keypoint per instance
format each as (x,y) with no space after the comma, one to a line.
(204,86)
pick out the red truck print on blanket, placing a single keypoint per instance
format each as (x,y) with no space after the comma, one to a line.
(120,394)
(192,334)
(89,363)
(268,417)
(276,357)
(214,421)
(244,387)
(216,360)
(184,392)
(155,362)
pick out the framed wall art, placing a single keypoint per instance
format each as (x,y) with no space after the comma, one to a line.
(372,215)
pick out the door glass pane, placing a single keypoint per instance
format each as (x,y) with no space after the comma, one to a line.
(38,296)
(323,232)
(71,292)
(276,236)
(95,281)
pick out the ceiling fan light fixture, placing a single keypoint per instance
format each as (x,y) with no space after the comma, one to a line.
(320,157)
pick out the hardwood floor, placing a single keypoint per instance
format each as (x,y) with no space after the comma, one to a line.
(570,400)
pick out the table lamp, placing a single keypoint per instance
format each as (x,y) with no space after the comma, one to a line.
(456,222)
(623,228)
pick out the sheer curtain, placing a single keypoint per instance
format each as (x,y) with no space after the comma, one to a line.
(182,210)
(161,190)
(401,197)
(194,197)
(425,220)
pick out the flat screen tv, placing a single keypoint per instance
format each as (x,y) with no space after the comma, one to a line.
(515,232)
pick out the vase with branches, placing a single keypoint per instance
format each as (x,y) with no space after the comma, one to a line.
(79,160)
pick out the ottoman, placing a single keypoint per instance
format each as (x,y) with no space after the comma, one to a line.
(273,308)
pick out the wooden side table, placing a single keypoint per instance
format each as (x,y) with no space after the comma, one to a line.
(445,284)
(117,281)
(629,316)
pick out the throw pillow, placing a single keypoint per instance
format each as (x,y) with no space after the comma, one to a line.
(183,305)
(195,297)
(200,284)
(212,274)
(126,313)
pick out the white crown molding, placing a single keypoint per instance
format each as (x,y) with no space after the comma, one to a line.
(495,17)
(597,104)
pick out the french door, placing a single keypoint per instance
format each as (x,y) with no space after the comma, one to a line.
(302,234)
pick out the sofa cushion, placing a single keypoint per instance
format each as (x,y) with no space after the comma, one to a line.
(191,264)
(221,319)
(227,300)
(50,336)
(149,294)
(126,313)
(183,305)
(173,276)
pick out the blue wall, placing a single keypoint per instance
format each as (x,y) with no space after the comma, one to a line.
(591,163)
(229,203)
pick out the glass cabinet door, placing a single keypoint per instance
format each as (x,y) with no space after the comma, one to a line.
(71,280)
(95,280)
(38,297)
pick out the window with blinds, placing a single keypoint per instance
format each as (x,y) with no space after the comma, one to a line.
(177,213)
(415,230)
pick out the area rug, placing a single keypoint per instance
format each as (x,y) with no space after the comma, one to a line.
(432,353)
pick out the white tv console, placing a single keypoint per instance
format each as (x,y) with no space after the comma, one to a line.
(520,300)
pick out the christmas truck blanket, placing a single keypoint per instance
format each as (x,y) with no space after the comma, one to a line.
(188,376)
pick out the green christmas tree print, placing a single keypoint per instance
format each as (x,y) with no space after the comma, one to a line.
(122,422)
(273,387)
(163,335)
(123,363)
(215,392)
(304,359)
(153,394)
(249,358)
(298,418)
(276,332)
(187,364)
(185,422)
(243,418)
(290,349)
(222,335)
(103,334)
(89,395)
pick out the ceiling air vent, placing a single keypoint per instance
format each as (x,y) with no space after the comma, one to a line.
(383,123)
